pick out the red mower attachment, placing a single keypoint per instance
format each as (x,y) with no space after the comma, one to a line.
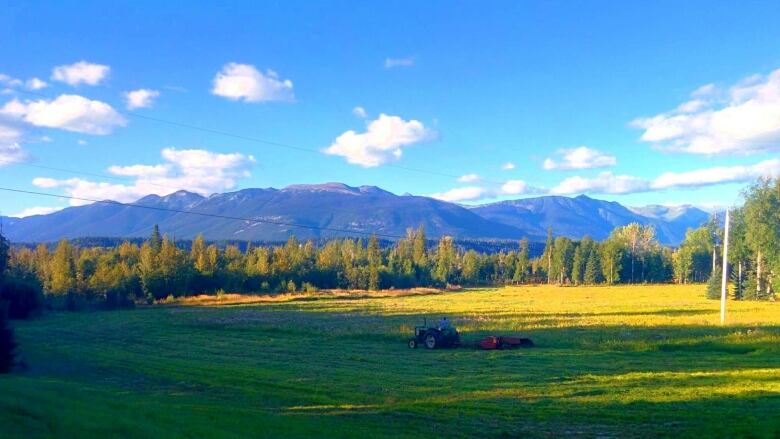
(504,342)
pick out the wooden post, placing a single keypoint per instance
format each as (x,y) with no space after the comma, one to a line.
(724,280)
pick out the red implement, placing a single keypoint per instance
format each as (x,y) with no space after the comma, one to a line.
(504,342)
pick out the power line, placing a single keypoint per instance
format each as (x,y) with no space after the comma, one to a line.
(250,139)
(204,214)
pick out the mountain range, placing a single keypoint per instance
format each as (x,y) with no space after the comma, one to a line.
(335,209)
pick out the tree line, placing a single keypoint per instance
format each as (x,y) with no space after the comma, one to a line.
(157,268)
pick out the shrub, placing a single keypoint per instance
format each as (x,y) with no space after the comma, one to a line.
(7,343)
(23,294)
(291,288)
(309,287)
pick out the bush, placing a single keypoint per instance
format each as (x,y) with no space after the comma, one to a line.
(23,294)
(117,300)
(309,288)
(7,343)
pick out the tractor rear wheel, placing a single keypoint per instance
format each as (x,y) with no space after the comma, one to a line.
(431,341)
(413,343)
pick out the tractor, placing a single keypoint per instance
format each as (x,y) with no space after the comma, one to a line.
(434,337)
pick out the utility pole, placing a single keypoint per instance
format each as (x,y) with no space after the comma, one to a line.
(724,281)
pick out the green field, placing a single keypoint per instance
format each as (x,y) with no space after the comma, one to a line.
(611,361)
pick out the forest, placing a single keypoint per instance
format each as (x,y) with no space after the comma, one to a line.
(72,276)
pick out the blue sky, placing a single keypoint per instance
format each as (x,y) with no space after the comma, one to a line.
(659,102)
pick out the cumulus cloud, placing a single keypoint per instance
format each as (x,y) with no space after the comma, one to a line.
(197,170)
(580,158)
(608,183)
(68,112)
(508,166)
(469,178)
(141,98)
(399,62)
(514,187)
(9,80)
(360,112)
(81,72)
(382,142)
(473,193)
(244,82)
(39,210)
(10,150)
(604,183)
(35,84)
(718,175)
(745,119)
(468,193)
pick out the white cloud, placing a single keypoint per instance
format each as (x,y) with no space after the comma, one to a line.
(608,183)
(469,178)
(81,72)
(9,81)
(580,158)
(141,98)
(40,210)
(382,141)
(35,84)
(604,183)
(67,112)
(140,170)
(201,171)
(717,175)
(514,187)
(399,62)
(245,82)
(82,142)
(360,112)
(468,193)
(10,150)
(743,120)
(508,166)
(472,193)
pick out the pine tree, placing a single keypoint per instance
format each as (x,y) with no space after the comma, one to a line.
(156,239)
(374,261)
(592,269)
(714,283)
(4,251)
(549,250)
(522,268)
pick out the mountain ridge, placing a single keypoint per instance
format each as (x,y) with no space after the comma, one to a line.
(336,209)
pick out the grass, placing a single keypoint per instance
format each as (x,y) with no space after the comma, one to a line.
(619,361)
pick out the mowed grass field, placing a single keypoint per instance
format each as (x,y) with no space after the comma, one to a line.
(610,362)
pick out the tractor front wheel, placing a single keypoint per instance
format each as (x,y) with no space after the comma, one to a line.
(431,341)
(413,343)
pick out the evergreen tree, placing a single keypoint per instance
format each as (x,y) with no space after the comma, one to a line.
(522,268)
(156,239)
(374,262)
(4,251)
(714,283)
(547,256)
(592,274)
